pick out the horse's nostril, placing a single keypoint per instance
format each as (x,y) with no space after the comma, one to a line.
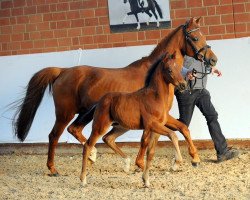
(213,61)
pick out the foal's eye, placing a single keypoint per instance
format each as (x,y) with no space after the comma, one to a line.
(169,71)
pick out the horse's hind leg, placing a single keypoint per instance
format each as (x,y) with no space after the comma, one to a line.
(149,16)
(77,126)
(110,138)
(54,135)
(156,17)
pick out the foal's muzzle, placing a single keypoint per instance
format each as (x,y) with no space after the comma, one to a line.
(182,86)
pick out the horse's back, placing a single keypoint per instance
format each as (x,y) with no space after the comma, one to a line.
(83,86)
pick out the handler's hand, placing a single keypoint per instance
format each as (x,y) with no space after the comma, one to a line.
(216,71)
(191,75)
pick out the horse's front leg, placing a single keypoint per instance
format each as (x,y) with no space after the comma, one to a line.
(138,22)
(175,124)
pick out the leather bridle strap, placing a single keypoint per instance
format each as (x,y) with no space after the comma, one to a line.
(190,41)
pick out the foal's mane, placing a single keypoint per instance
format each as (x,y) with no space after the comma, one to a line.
(152,69)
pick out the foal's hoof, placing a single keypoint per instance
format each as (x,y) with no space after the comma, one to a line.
(195,164)
(54,174)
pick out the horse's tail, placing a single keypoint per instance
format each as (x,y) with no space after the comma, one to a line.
(26,107)
(158,8)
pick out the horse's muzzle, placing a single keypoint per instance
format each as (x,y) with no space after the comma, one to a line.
(212,61)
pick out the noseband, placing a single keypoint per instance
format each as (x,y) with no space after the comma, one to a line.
(197,52)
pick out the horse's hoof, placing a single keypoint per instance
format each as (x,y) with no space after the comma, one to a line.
(195,164)
(140,165)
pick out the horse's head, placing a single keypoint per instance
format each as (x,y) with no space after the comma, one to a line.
(195,43)
(172,73)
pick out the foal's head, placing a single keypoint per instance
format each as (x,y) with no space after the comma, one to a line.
(172,73)
(195,43)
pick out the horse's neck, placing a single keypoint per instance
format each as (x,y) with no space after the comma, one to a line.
(172,43)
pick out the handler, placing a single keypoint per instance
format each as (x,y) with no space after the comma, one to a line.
(195,73)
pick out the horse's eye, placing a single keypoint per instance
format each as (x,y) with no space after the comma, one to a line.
(195,39)
(170,71)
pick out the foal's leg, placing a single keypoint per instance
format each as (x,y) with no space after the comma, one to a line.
(144,144)
(153,139)
(163,130)
(177,125)
(99,129)
(110,138)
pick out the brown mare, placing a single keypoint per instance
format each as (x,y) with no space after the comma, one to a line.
(77,89)
(145,109)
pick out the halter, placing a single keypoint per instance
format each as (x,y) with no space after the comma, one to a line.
(197,54)
(190,40)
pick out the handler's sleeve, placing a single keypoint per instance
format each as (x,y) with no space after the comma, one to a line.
(184,71)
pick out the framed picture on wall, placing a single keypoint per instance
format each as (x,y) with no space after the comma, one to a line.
(136,15)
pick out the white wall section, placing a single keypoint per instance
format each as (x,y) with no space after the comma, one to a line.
(230,93)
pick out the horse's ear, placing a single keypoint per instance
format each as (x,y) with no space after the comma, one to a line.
(190,21)
(198,20)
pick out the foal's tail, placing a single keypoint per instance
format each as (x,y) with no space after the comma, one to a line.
(26,107)
(158,8)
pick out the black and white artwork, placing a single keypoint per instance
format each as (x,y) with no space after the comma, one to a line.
(135,15)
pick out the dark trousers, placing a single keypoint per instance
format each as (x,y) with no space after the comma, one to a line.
(202,99)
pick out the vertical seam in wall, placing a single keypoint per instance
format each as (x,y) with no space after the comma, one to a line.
(80,56)
(234,19)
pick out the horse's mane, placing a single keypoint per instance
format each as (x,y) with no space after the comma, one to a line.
(163,43)
(158,50)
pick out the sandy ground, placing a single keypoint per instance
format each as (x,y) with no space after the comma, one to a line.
(24,175)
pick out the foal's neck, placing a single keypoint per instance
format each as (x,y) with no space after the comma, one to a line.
(158,84)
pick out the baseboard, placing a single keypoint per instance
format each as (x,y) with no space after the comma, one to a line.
(200,144)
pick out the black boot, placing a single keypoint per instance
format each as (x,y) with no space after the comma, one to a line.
(229,154)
